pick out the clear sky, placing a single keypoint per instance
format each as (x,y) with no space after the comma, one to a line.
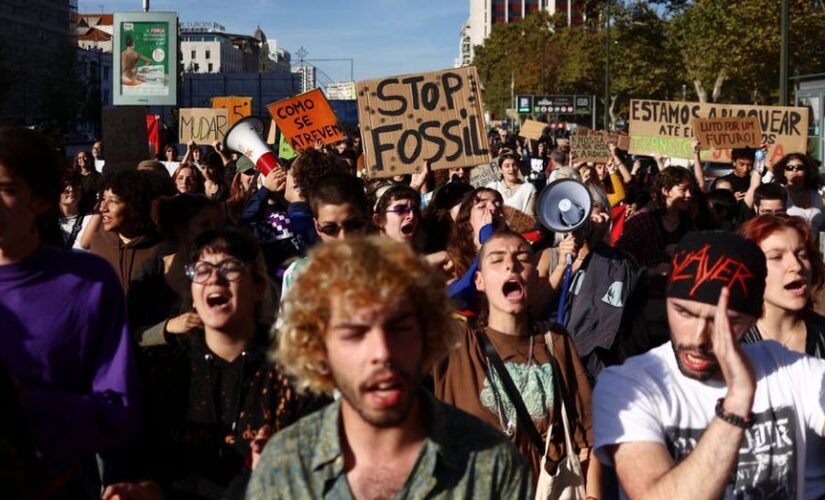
(384,37)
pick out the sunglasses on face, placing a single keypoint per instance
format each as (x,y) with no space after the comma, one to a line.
(229,270)
(333,229)
(795,167)
(402,210)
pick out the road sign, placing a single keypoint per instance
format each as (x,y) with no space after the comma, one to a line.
(524,103)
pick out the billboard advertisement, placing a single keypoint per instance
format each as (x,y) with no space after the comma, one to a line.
(146,58)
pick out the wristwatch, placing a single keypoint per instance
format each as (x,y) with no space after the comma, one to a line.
(741,422)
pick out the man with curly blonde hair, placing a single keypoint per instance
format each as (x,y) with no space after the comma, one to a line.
(370,318)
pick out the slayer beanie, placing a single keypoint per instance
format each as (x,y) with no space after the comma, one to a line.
(706,261)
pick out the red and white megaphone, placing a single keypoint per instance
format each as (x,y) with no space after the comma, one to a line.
(245,138)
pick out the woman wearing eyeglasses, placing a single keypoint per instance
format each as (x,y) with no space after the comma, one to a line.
(211,396)
(800,176)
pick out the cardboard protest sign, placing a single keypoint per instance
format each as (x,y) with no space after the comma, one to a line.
(305,119)
(435,116)
(620,139)
(667,127)
(518,221)
(728,132)
(125,137)
(532,129)
(204,125)
(236,107)
(484,174)
(589,148)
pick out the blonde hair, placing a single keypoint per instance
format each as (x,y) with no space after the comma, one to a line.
(360,272)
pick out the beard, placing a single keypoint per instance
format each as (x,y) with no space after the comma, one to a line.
(356,396)
(711,372)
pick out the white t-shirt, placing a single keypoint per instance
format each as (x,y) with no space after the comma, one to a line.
(171,166)
(67,224)
(648,399)
(521,197)
(813,215)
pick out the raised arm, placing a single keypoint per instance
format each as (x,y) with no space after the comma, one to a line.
(698,174)
(646,469)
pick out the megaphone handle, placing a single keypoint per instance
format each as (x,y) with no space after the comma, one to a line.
(568,274)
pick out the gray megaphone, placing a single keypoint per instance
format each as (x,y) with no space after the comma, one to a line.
(564,206)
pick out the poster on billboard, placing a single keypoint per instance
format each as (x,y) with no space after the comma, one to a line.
(145,71)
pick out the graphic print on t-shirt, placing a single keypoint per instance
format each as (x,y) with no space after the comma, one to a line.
(767,457)
(537,391)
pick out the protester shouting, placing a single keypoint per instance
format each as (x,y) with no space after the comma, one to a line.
(795,272)
(370,318)
(158,300)
(543,374)
(212,393)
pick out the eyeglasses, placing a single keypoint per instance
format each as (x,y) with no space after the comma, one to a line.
(796,167)
(333,229)
(229,270)
(403,210)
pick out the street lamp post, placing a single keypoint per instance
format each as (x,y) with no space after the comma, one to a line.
(607,67)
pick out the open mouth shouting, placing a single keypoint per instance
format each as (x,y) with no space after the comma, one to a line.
(513,290)
(217,301)
(384,390)
(408,228)
(797,288)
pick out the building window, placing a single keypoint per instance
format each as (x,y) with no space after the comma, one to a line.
(194,54)
(208,53)
(210,66)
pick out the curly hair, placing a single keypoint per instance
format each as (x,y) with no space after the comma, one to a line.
(461,246)
(360,272)
(812,178)
(312,165)
(137,189)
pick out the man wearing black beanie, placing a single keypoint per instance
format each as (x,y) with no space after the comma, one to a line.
(704,416)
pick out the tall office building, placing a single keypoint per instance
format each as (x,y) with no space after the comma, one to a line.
(306,74)
(484,14)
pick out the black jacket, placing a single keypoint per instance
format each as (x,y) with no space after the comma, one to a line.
(202,412)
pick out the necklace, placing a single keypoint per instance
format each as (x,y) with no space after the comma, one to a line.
(509,428)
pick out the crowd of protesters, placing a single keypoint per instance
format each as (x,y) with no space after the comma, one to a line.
(195,329)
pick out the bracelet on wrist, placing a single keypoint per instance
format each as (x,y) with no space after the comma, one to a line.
(742,422)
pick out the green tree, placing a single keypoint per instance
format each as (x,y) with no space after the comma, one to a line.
(731,47)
